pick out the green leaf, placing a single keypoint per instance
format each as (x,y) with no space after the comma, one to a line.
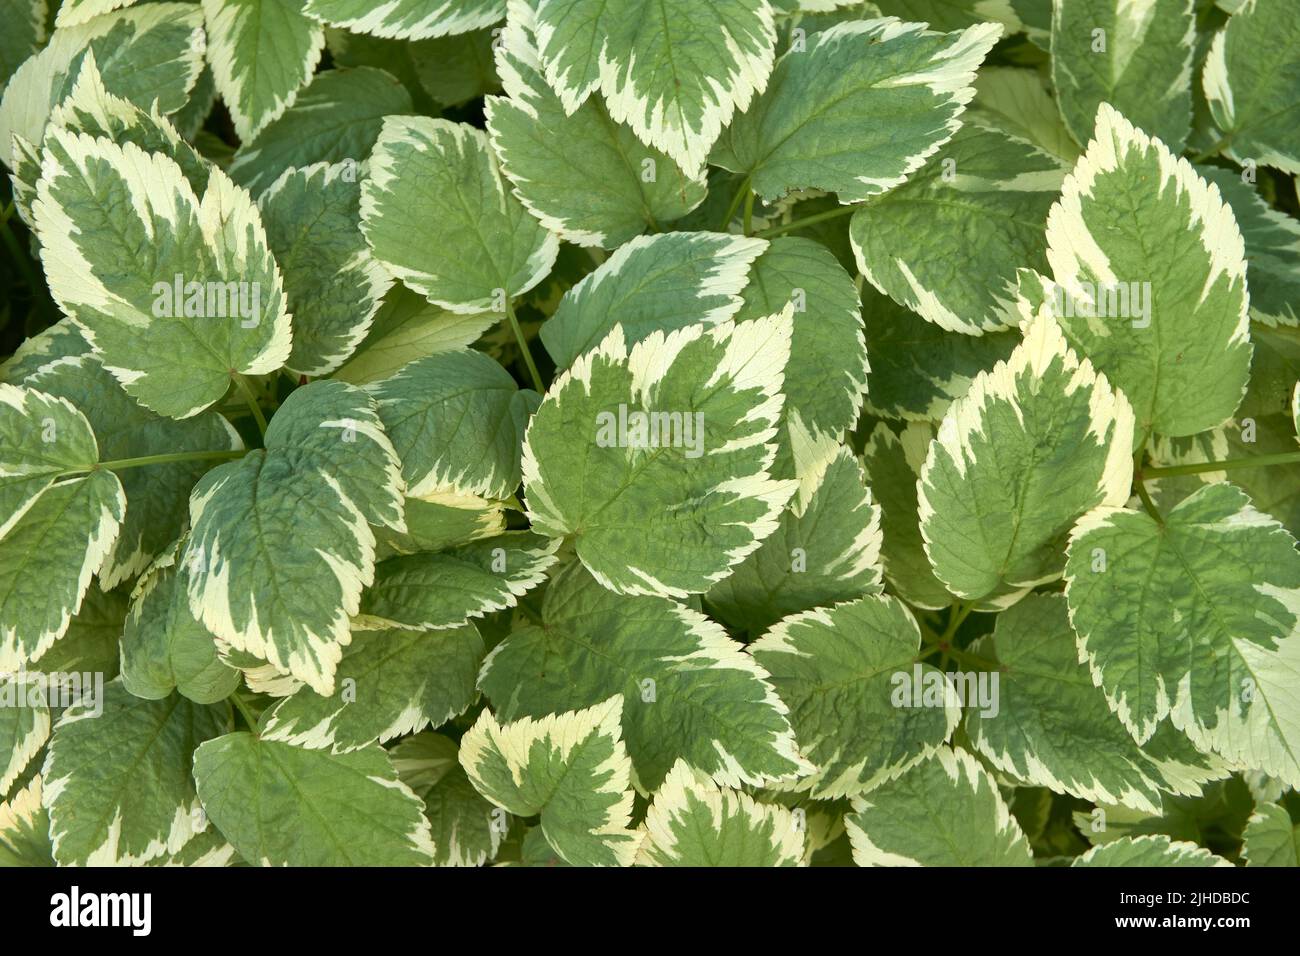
(457,421)
(170,319)
(571,769)
(261,53)
(953,14)
(24,726)
(982,183)
(1250,78)
(826,376)
(25,33)
(278,579)
(864,709)
(945,811)
(1272,249)
(281,805)
(333,285)
(408,19)
(1271,839)
(434,591)
(917,368)
(658,283)
(1139,237)
(455,69)
(689,692)
(91,642)
(117,778)
(441,521)
(1034,444)
(55,530)
(150,55)
(826,549)
(337,117)
(60,340)
(25,829)
(164,648)
(1196,618)
(893,463)
(694,822)
(465,826)
(73,12)
(667,511)
(675,71)
(1149,851)
(1136,57)
(157,497)
(407,328)
(1047,724)
(1018,102)
(390,683)
(585,177)
(438,216)
(819,124)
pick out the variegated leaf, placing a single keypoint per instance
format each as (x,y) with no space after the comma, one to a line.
(408,19)
(1149,851)
(466,828)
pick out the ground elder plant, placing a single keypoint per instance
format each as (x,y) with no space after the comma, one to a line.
(612,433)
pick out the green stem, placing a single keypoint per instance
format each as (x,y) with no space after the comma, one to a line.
(806,221)
(961,610)
(748,224)
(1230,464)
(1148,504)
(1213,151)
(741,193)
(241,382)
(122,464)
(523,347)
(244,712)
(8,213)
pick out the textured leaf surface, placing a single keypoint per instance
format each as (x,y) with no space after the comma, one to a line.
(261,52)
(1134,219)
(281,805)
(842,672)
(465,829)
(390,683)
(1271,839)
(1148,851)
(173,351)
(408,19)
(118,785)
(333,285)
(651,284)
(164,648)
(1135,56)
(24,728)
(25,32)
(1018,102)
(1196,618)
(694,822)
(55,531)
(282,536)
(157,497)
(570,768)
(587,178)
(457,421)
(818,124)
(826,549)
(689,692)
(1050,725)
(439,217)
(983,183)
(1033,445)
(675,71)
(428,591)
(624,499)
(945,811)
(338,116)
(1250,78)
